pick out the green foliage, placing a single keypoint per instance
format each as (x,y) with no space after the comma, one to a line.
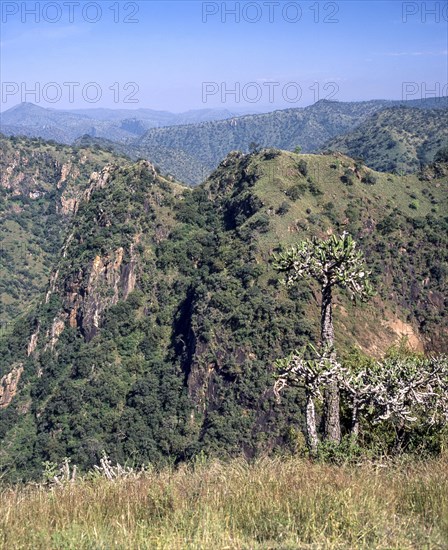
(302,166)
(296,191)
(375,140)
(370,179)
(441,155)
(332,261)
(347,451)
(184,363)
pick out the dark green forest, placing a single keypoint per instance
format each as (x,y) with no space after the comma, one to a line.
(157,333)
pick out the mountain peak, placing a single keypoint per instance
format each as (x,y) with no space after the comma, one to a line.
(26,106)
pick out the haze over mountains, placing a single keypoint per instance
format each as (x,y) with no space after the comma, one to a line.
(190,145)
(116,124)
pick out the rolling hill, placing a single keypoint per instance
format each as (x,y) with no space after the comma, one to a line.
(162,317)
(396,139)
(190,150)
(310,128)
(117,125)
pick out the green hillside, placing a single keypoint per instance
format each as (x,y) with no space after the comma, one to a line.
(398,139)
(163,315)
(40,183)
(202,146)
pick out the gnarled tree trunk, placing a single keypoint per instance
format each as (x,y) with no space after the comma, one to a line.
(354,427)
(332,426)
(311,430)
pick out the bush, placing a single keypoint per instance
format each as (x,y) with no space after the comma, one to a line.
(314,188)
(347,178)
(302,166)
(441,155)
(370,179)
(283,208)
(269,154)
(296,191)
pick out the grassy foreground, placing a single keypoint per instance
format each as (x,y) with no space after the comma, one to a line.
(272,503)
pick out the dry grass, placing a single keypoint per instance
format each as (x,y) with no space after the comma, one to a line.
(273,503)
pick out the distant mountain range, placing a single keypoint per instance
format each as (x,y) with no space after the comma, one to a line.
(115,124)
(190,145)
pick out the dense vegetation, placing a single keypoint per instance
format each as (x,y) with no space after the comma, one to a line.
(190,145)
(39,184)
(164,314)
(398,139)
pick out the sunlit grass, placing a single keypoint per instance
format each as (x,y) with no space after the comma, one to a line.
(272,503)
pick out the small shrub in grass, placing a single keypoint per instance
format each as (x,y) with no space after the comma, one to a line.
(302,167)
(296,191)
(347,178)
(345,452)
(283,208)
(370,179)
(314,188)
(269,154)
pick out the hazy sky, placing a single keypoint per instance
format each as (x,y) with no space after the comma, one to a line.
(250,55)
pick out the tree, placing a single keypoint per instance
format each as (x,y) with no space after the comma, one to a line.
(312,375)
(400,389)
(331,262)
(297,149)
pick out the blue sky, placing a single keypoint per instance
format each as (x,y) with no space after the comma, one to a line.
(188,55)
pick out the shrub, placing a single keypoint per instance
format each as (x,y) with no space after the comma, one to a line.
(296,191)
(370,179)
(302,166)
(283,208)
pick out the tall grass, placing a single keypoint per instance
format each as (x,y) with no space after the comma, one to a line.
(272,503)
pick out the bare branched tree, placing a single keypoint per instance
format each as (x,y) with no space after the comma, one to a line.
(401,389)
(311,374)
(331,262)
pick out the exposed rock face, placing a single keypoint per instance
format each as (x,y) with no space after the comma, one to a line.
(405,330)
(31,173)
(8,385)
(33,341)
(107,281)
(98,181)
(101,292)
(68,206)
(56,330)
(66,169)
(93,287)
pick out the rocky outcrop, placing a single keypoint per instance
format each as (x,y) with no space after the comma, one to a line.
(32,344)
(98,181)
(8,385)
(104,282)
